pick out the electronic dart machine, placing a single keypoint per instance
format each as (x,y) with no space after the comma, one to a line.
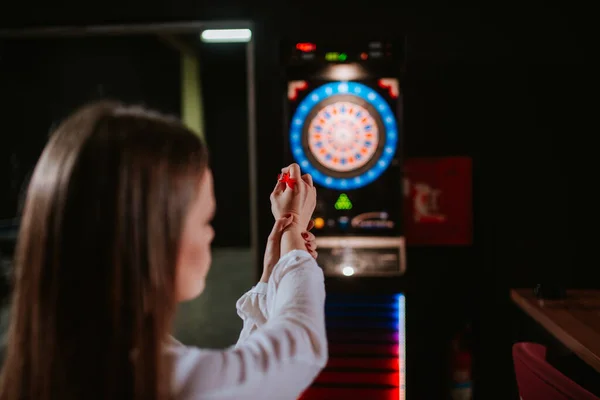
(343,125)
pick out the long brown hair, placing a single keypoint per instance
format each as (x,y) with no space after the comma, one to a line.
(94,289)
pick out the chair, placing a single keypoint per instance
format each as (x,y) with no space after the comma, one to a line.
(538,380)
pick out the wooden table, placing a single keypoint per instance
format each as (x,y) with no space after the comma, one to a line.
(574,321)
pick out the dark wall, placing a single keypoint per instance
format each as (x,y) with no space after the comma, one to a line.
(52,77)
(224,90)
(496,85)
(42,81)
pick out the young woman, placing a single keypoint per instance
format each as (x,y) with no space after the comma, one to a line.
(115,231)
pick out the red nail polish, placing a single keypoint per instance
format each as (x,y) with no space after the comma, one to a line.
(304,235)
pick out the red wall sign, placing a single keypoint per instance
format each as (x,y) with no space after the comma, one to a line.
(438,201)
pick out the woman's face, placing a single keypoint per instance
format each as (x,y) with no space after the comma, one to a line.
(194,251)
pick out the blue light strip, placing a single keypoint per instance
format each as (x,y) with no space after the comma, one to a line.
(402,347)
(344,88)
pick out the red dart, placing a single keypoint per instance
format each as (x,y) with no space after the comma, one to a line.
(291,182)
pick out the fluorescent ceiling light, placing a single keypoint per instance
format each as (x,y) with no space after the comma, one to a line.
(226,35)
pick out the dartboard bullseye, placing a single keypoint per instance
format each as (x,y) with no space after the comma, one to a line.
(344,134)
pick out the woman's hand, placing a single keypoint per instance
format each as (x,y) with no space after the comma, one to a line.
(310,240)
(273,249)
(300,201)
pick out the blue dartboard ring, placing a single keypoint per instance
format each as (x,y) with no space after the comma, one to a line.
(380,117)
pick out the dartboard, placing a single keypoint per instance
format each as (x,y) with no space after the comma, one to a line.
(344,134)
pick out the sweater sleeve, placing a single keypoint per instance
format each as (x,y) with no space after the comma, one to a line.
(252,309)
(284,350)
